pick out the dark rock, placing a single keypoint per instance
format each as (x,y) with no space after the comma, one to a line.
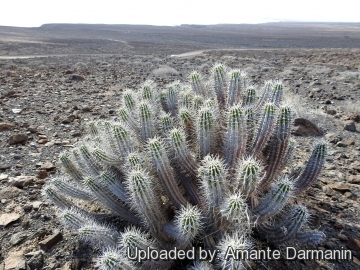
(354,179)
(76,77)
(306,128)
(350,126)
(42,174)
(48,166)
(5,166)
(69,119)
(342,187)
(328,102)
(341,144)
(50,241)
(36,261)
(18,237)
(354,244)
(21,181)
(6,126)
(6,219)
(331,112)
(350,142)
(355,117)
(18,138)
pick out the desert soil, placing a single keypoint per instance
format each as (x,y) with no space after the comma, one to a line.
(46,102)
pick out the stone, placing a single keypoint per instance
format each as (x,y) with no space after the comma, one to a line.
(47,165)
(355,117)
(18,238)
(36,261)
(6,126)
(13,260)
(331,112)
(36,205)
(75,77)
(68,266)
(50,241)
(69,119)
(343,237)
(3,176)
(16,110)
(6,219)
(18,138)
(42,174)
(342,187)
(350,126)
(10,192)
(354,244)
(341,144)
(21,181)
(349,142)
(5,166)
(354,179)
(306,128)
(356,261)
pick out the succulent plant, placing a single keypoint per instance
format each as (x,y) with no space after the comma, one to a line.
(205,163)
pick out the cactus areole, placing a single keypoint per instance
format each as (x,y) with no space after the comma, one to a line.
(194,166)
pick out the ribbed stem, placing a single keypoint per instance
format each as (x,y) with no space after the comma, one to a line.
(219,76)
(113,183)
(206,131)
(275,199)
(113,259)
(145,200)
(278,147)
(147,121)
(313,167)
(265,127)
(249,174)
(235,136)
(71,189)
(52,193)
(71,168)
(165,172)
(99,235)
(234,88)
(214,184)
(310,237)
(105,196)
(277,93)
(285,229)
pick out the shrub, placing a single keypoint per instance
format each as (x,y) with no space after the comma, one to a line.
(203,164)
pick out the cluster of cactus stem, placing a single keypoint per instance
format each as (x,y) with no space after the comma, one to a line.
(199,164)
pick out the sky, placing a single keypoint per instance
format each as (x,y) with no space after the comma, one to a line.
(33,13)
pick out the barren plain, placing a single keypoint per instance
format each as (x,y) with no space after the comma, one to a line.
(56,78)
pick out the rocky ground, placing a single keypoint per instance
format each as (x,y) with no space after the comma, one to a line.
(45,104)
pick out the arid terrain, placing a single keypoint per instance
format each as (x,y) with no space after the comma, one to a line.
(80,72)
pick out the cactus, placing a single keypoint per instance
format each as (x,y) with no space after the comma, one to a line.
(197,164)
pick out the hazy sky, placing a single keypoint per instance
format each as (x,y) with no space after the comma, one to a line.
(32,13)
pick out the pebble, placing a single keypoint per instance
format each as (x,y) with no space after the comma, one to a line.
(18,237)
(350,126)
(6,126)
(341,144)
(354,179)
(21,181)
(342,187)
(42,174)
(50,241)
(6,219)
(48,166)
(3,176)
(18,138)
